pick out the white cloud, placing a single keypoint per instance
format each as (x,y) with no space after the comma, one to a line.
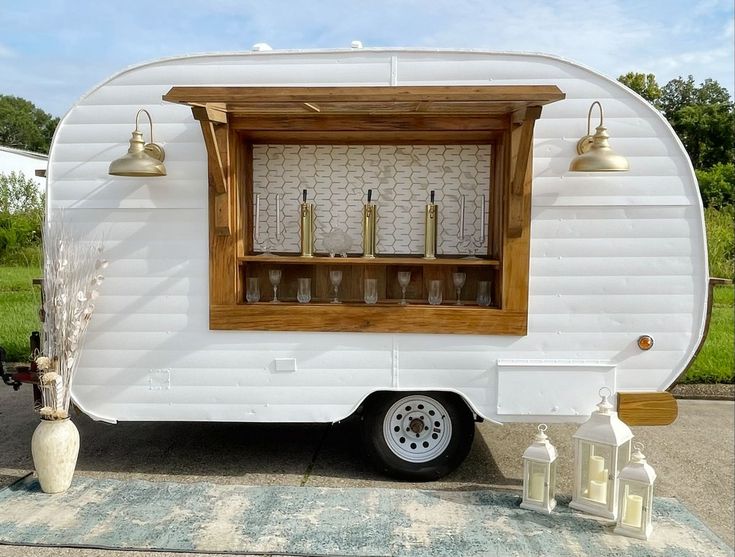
(6,52)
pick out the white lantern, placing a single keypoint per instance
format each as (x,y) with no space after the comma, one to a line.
(539,474)
(601,449)
(636,497)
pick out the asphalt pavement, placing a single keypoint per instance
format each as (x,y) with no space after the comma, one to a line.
(694,457)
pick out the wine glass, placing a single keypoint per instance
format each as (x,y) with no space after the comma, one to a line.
(335,277)
(274,275)
(304,292)
(253,292)
(404,279)
(371,291)
(435,292)
(458,279)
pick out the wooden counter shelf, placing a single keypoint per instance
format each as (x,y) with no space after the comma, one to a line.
(406,260)
(466,305)
(355,317)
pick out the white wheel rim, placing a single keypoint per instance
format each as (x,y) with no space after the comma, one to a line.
(417,428)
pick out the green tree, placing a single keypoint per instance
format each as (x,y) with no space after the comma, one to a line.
(706,130)
(678,93)
(703,118)
(643,84)
(25,126)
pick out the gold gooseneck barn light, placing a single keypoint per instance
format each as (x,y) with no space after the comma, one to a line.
(594,152)
(142,159)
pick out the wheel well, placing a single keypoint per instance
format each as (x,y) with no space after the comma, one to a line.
(374,396)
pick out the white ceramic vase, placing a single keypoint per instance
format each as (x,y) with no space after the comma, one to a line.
(55,447)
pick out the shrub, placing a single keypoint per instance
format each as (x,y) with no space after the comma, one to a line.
(717,185)
(21,219)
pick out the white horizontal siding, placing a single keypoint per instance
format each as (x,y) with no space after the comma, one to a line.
(614,266)
(613,256)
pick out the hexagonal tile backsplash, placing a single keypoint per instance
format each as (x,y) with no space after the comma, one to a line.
(337,178)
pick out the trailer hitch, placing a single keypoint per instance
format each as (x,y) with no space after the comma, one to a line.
(23,374)
(8,378)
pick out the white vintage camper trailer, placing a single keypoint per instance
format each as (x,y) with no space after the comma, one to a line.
(593,279)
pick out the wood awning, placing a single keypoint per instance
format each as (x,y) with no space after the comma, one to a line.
(481,100)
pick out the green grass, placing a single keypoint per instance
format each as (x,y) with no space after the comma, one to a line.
(720,241)
(716,361)
(19,303)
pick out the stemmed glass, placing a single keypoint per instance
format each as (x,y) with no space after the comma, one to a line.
(275,277)
(404,279)
(458,279)
(335,277)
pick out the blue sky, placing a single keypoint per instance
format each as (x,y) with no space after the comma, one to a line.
(53,51)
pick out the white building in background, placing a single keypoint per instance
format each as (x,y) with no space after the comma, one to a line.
(27,162)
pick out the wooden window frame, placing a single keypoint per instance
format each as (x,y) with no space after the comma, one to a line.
(234,118)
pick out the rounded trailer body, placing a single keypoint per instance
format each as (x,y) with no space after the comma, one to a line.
(613,256)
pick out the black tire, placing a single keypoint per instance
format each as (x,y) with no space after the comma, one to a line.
(447,439)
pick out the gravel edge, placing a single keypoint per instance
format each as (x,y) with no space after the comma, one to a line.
(704,391)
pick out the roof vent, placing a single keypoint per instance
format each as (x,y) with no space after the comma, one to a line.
(356,44)
(261,47)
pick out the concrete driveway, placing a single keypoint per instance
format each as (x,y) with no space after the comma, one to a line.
(694,457)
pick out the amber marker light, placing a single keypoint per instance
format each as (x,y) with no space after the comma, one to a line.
(645,342)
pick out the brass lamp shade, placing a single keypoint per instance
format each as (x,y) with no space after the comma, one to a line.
(142,159)
(594,151)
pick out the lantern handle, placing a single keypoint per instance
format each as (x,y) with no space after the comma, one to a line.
(604,390)
(639,446)
(542,427)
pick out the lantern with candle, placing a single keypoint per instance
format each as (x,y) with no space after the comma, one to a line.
(636,497)
(601,449)
(539,474)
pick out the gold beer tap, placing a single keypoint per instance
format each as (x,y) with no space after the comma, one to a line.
(432,216)
(307,228)
(369,217)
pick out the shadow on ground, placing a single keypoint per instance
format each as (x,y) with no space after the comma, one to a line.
(265,454)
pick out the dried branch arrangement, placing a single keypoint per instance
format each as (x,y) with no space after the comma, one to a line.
(72,273)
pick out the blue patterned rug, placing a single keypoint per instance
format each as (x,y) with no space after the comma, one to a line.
(207,517)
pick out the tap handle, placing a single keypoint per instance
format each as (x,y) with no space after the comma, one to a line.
(432,196)
(370,195)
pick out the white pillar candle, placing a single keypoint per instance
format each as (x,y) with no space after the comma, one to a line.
(633,510)
(598,491)
(596,466)
(536,486)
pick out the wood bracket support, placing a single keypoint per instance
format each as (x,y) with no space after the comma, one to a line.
(521,170)
(215,131)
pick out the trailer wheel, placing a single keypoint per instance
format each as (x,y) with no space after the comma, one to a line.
(417,436)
